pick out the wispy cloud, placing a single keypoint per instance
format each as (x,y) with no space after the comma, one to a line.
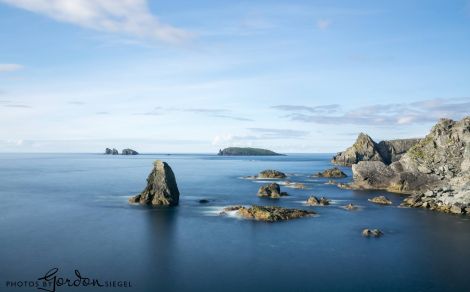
(210,112)
(10,67)
(17,105)
(385,114)
(329,108)
(258,134)
(323,24)
(130,17)
(102,113)
(76,102)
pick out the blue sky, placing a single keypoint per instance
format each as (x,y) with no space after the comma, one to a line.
(196,76)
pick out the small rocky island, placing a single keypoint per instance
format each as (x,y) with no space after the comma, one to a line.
(272,191)
(247,151)
(270,174)
(114,151)
(161,187)
(331,173)
(268,213)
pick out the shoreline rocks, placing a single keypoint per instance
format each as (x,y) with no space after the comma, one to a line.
(437,169)
(161,187)
(268,213)
(272,191)
(331,173)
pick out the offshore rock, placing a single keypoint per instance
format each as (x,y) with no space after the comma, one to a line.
(331,173)
(128,151)
(381,200)
(246,151)
(271,191)
(268,213)
(270,173)
(161,187)
(314,201)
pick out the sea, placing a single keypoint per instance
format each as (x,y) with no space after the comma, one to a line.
(66,225)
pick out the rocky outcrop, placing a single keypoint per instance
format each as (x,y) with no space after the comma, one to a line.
(270,173)
(381,200)
(268,213)
(350,207)
(314,201)
(246,151)
(114,151)
(331,173)
(371,232)
(365,149)
(161,187)
(271,191)
(128,151)
(436,170)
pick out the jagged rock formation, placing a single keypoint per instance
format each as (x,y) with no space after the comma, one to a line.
(129,151)
(246,151)
(270,173)
(365,149)
(439,163)
(268,213)
(161,187)
(271,191)
(115,152)
(331,173)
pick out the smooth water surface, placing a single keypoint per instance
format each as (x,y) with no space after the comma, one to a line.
(70,211)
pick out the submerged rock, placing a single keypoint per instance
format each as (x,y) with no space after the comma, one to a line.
(372,232)
(161,187)
(271,191)
(128,151)
(269,213)
(203,201)
(332,173)
(295,185)
(382,200)
(270,173)
(314,201)
(350,207)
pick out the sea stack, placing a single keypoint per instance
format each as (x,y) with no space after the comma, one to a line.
(161,187)
(129,151)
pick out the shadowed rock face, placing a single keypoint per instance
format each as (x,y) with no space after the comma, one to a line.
(161,187)
(365,149)
(269,213)
(439,165)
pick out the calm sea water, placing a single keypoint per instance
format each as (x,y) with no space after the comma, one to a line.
(71,212)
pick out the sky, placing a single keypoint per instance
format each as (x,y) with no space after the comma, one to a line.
(194,76)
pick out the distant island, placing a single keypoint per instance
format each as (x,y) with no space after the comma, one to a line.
(126,151)
(247,151)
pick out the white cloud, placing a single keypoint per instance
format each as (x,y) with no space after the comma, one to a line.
(323,24)
(10,67)
(131,17)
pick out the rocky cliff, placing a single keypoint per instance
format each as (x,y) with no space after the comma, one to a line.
(365,149)
(436,170)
